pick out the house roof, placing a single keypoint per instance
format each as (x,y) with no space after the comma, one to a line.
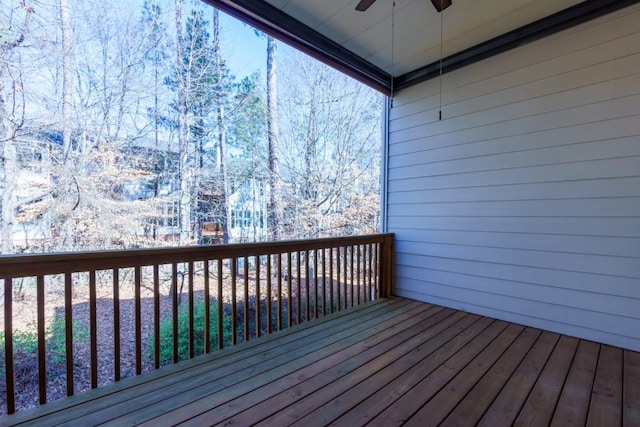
(393,47)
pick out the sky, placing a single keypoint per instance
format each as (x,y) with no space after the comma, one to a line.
(246,52)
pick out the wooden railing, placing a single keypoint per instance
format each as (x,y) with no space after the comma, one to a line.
(101,316)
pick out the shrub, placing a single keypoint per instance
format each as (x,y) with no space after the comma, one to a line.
(166,332)
(25,346)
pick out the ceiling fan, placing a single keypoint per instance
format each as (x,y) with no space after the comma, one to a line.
(440,5)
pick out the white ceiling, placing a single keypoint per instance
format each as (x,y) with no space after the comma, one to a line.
(416,29)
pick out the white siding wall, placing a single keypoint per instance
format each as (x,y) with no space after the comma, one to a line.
(523,203)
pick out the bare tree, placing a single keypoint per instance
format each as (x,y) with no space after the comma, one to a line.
(330,150)
(275,202)
(185,199)
(222,127)
(12,117)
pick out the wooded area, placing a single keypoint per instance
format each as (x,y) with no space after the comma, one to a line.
(123,126)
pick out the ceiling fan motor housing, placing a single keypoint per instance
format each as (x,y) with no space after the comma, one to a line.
(441,5)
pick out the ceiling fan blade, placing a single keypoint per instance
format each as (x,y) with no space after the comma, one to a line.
(441,5)
(364,5)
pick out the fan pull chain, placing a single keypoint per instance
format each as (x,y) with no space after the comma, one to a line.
(393,21)
(441,40)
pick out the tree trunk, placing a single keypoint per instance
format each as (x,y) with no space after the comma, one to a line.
(222,130)
(185,193)
(8,167)
(66,228)
(67,75)
(275,218)
(8,128)
(309,191)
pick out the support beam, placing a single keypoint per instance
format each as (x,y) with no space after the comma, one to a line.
(567,18)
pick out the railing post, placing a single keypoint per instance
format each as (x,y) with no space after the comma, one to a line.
(386,264)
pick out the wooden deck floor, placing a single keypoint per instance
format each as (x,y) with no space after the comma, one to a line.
(387,363)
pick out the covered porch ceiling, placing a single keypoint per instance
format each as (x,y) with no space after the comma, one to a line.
(391,48)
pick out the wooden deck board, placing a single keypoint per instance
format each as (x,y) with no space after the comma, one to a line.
(58,411)
(541,403)
(475,368)
(201,395)
(219,365)
(573,405)
(265,400)
(606,397)
(391,362)
(631,389)
(507,405)
(402,409)
(323,408)
(469,410)
(400,385)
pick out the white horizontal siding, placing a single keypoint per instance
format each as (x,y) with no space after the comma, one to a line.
(523,203)
(593,226)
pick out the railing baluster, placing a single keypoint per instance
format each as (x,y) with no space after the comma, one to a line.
(246,298)
(289,284)
(345,272)
(269,325)
(42,368)
(8,344)
(347,282)
(331,309)
(344,268)
(279,272)
(365,272)
(298,288)
(93,329)
(338,287)
(257,296)
(351,255)
(307,292)
(174,310)
(234,309)
(190,299)
(207,308)
(324,281)
(370,270)
(359,273)
(138,318)
(377,264)
(68,329)
(116,323)
(315,284)
(156,316)
(372,277)
(219,263)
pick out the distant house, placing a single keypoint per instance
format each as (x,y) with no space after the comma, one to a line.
(158,180)
(248,207)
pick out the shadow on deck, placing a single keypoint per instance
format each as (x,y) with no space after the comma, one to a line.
(389,362)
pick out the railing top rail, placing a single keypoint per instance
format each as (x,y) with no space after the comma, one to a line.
(70,262)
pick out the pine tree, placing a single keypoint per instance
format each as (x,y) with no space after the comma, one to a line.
(249,170)
(203,84)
